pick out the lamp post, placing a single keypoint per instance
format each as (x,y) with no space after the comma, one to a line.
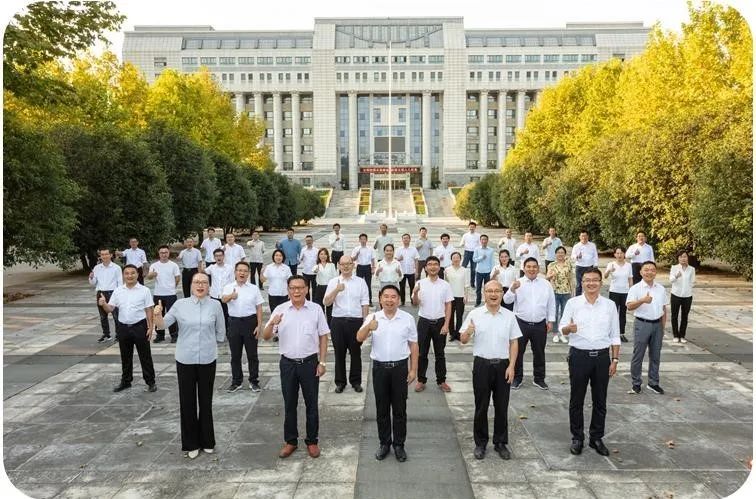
(390,132)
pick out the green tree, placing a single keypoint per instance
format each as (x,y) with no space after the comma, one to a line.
(34,181)
(307,204)
(266,192)
(286,215)
(124,190)
(236,203)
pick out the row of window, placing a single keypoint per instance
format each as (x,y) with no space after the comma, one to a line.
(304,115)
(306,132)
(472,164)
(383,59)
(242,61)
(472,131)
(397,76)
(531,58)
(265,77)
(515,75)
(307,166)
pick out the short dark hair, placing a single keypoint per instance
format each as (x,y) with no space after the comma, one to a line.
(445,235)
(213,230)
(242,263)
(423,228)
(219,250)
(129,266)
(593,270)
(103,249)
(621,248)
(336,225)
(278,251)
(681,253)
(388,286)
(362,235)
(456,253)
(406,234)
(165,246)
(511,263)
(432,258)
(295,278)
(585,231)
(483,235)
(528,260)
(648,262)
(472,223)
(560,248)
(387,245)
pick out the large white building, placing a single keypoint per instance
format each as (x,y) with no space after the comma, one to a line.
(457,95)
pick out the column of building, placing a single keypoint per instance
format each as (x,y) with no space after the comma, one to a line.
(296,133)
(277,131)
(259,106)
(520,109)
(240,102)
(501,129)
(427,133)
(353,142)
(483,131)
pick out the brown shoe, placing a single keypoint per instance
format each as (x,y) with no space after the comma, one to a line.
(313,450)
(419,387)
(287,450)
(444,387)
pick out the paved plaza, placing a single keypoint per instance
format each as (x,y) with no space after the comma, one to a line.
(66,434)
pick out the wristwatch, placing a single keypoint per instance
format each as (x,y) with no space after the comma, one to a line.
(615,359)
(321,364)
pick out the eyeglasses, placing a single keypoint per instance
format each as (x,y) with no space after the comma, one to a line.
(587,281)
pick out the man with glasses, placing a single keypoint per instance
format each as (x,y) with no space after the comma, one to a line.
(350,299)
(303,332)
(592,324)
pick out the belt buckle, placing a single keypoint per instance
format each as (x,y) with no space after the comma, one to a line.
(593,353)
(298,361)
(494,361)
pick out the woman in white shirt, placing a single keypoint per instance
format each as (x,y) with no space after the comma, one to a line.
(389,271)
(276,274)
(458,278)
(506,273)
(682,277)
(324,271)
(621,274)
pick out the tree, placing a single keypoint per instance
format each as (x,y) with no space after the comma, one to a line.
(236,204)
(286,215)
(266,192)
(46,31)
(190,175)
(308,204)
(124,191)
(34,181)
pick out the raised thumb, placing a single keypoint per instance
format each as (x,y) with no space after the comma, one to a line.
(160,302)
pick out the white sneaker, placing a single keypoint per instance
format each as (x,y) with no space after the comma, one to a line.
(192,454)
(563,339)
(556,339)
(208,451)
(682,340)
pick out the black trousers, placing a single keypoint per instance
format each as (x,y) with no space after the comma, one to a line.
(317,296)
(468,260)
(103,314)
(677,304)
(240,336)
(458,311)
(256,269)
(140,275)
(588,367)
(488,381)
(390,389)
(274,301)
(168,302)
(336,256)
(619,300)
(293,268)
(636,272)
(344,338)
(421,267)
(429,331)
(195,383)
(407,279)
(440,273)
(130,336)
(310,280)
(186,281)
(224,306)
(364,272)
(579,271)
(508,306)
(296,374)
(535,333)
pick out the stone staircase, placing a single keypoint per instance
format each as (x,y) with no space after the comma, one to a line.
(401,201)
(344,204)
(440,203)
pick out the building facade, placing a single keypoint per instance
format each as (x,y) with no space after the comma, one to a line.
(457,96)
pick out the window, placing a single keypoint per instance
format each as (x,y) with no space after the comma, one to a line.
(306,166)
(306,115)
(472,164)
(517,76)
(551,58)
(417,59)
(307,77)
(472,130)
(402,115)
(495,59)
(472,147)
(280,77)
(264,60)
(287,132)
(287,115)
(342,59)
(435,59)
(535,75)
(208,61)
(302,60)
(491,145)
(472,114)
(376,76)
(283,60)
(379,59)
(243,76)
(246,60)
(510,114)
(377,115)
(493,114)
(474,59)
(533,58)
(228,61)
(287,166)
(514,59)
(307,149)
(306,181)
(472,97)
(510,131)
(570,58)
(472,75)
(189,60)
(288,148)
(491,164)
(361,59)
(160,62)
(433,76)
(269,115)
(440,76)
(588,58)
(306,132)
(420,75)
(230,77)
(399,59)
(269,132)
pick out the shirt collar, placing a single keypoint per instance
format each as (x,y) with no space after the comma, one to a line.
(200,300)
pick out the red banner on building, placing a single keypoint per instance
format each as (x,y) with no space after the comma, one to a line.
(394,169)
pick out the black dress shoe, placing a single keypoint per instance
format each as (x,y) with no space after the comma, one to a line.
(121,387)
(339,388)
(400,453)
(576,447)
(382,452)
(503,451)
(357,388)
(159,339)
(599,446)
(151,388)
(173,340)
(479,452)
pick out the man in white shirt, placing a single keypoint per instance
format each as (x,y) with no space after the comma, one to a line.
(105,277)
(394,341)
(191,263)
(167,276)
(234,252)
(550,244)
(585,256)
(408,257)
(496,342)
(303,331)
(682,277)
(135,256)
(648,302)
(508,243)
(443,253)
(470,242)
(434,297)
(638,253)
(350,299)
(336,243)
(528,249)
(134,325)
(256,252)
(592,323)
(244,321)
(535,308)
(209,245)
(220,274)
(382,241)
(308,258)
(424,250)
(364,257)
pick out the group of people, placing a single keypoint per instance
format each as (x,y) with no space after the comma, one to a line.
(223,300)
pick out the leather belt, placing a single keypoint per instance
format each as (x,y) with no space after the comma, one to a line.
(303,360)
(389,365)
(650,321)
(490,361)
(590,353)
